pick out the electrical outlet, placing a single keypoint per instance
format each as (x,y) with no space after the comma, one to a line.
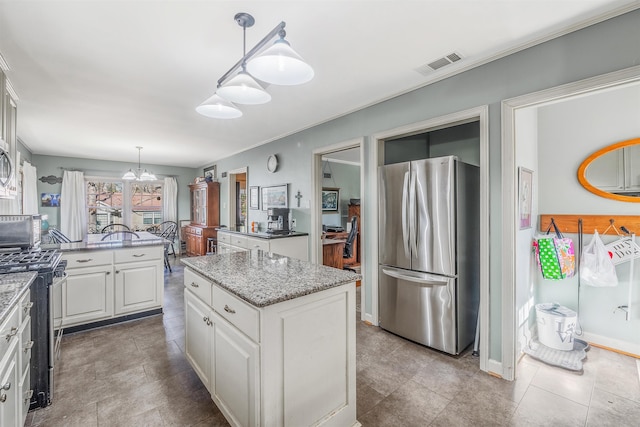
(293,223)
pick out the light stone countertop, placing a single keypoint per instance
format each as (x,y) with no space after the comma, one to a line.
(95,242)
(12,287)
(264,278)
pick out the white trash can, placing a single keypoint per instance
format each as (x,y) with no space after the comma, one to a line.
(556,325)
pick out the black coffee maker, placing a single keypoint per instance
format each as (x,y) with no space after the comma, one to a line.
(278,220)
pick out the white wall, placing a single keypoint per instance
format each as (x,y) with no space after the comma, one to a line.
(568,132)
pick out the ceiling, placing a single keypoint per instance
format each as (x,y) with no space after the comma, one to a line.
(95,79)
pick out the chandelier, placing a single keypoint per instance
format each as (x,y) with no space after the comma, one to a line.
(278,64)
(139,175)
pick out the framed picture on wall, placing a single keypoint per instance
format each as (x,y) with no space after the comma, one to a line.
(254,197)
(330,199)
(50,200)
(525,194)
(209,173)
(275,197)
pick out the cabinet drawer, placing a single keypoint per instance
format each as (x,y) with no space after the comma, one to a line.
(224,237)
(9,330)
(138,254)
(239,313)
(198,285)
(240,241)
(87,259)
(262,244)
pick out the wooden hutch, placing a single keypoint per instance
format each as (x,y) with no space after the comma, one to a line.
(205,217)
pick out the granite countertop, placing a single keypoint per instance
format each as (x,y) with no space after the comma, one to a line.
(12,287)
(263,278)
(263,234)
(95,242)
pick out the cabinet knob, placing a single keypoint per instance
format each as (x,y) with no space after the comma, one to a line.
(3,398)
(107,273)
(13,332)
(28,306)
(7,386)
(229,309)
(194,285)
(84,260)
(138,255)
(117,271)
(28,346)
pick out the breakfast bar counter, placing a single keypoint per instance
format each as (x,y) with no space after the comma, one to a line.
(267,334)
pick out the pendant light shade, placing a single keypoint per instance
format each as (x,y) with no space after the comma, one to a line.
(218,108)
(130,175)
(243,89)
(280,65)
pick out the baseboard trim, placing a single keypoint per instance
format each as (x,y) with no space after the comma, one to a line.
(107,322)
(612,344)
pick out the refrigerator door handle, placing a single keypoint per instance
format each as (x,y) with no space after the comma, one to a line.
(416,277)
(405,193)
(413,227)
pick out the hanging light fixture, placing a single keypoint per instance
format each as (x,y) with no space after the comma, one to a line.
(281,65)
(139,176)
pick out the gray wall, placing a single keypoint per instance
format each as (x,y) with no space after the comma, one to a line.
(585,53)
(52,165)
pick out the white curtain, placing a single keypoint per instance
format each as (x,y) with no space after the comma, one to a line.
(170,203)
(29,189)
(73,213)
(170,200)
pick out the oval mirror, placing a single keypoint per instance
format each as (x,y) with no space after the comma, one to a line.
(5,168)
(613,172)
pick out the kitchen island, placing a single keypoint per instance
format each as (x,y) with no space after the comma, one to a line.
(272,338)
(112,280)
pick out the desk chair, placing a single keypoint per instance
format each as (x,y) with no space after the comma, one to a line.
(348,246)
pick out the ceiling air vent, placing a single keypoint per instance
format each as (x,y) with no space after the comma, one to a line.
(439,63)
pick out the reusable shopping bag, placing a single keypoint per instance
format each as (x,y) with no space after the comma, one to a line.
(555,254)
(596,266)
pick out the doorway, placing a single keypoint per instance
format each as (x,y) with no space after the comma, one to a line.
(338,175)
(237,199)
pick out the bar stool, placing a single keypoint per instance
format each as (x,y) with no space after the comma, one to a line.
(212,245)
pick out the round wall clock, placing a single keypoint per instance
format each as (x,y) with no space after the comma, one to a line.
(272,163)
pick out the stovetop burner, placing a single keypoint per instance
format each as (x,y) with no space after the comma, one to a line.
(28,260)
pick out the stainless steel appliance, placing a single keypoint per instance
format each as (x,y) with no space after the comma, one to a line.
(278,220)
(51,273)
(20,231)
(428,251)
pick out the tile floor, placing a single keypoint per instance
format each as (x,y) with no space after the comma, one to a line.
(135,374)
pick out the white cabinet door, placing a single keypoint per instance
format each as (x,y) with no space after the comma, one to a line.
(9,387)
(197,337)
(137,286)
(87,295)
(235,373)
(294,247)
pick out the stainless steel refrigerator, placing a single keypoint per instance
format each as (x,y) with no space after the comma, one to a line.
(429,234)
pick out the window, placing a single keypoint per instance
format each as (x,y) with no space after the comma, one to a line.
(109,201)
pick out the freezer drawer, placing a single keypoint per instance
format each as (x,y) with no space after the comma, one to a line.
(420,307)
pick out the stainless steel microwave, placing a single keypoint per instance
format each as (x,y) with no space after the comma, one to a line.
(20,231)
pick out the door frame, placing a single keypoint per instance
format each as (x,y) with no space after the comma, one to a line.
(481,114)
(231,194)
(316,215)
(510,108)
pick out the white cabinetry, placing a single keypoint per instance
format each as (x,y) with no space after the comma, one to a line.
(263,366)
(139,280)
(106,284)
(617,171)
(291,246)
(15,354)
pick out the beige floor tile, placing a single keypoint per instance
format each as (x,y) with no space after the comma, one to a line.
(542,408)
(610,410)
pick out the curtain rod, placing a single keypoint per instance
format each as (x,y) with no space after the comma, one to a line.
(108,171)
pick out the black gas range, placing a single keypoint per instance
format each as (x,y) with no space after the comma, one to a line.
(50,269)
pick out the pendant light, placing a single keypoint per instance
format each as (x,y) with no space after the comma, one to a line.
(218,108)
(280,65)
(130,175)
